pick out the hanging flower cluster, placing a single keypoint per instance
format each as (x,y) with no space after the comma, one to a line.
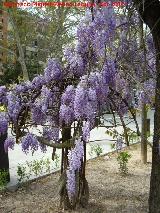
(9,143)
(3,123)
(75,156)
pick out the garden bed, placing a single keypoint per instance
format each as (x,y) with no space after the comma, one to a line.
(110,192)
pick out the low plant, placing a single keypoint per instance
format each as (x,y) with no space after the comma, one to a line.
(22,173)
(35,167)
(113,146)
(132,135)
(56,160)
(97,149)
(3,178)
(122,159)
(47,165)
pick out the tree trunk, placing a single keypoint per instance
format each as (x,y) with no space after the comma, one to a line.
(154,199)
(125,130)
(64,199)
(144,107)
(81,196)
(144,134)
(149,10)
(4,162)
(20,49)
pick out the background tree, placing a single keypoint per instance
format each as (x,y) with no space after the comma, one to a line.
(150,13)
(52,29)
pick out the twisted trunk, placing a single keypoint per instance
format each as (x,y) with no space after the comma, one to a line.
(82,190)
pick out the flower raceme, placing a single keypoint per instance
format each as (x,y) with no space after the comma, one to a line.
(74,157)
(53,71)
(9,143)
(3,91)
(3,123)
(30,142)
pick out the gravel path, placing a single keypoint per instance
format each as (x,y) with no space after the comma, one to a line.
(110,192)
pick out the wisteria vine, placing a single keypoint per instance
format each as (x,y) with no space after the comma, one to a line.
(74,93)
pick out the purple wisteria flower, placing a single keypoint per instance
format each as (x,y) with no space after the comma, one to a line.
(20,88)
(101,88)
(76,60)
(109,71)
(3,93)
(38,81)
(77,65)
(71,185)
(122,108)
(74,157)
(86,101)
(68,95)
(150,43)
(92,94)
(37,114)
(53,70)
(41,106)
(90,111)
(47,98)
(14,106)
(51,133)
(147,95)
(29,142)
(43,147)
(80,102)
(3,123)
(66,114)
(9,143)
(119,144)
(86,131)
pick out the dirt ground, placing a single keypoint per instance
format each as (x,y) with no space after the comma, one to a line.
(110,192)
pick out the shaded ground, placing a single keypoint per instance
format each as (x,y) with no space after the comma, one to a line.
(110,192)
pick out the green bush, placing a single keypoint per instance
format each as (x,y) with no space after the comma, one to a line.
(122,159)
(22,173)
(36,167)
(3,178)
(97,149)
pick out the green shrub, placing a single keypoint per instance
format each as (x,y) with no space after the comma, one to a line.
(122,159)
(22,173)
(97,149)
(3,178)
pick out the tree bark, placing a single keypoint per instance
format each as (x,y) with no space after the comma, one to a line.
(144,106)
(4,161)
(154,199)
(125,130)
(144,134)
(150,13)
(64,199)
